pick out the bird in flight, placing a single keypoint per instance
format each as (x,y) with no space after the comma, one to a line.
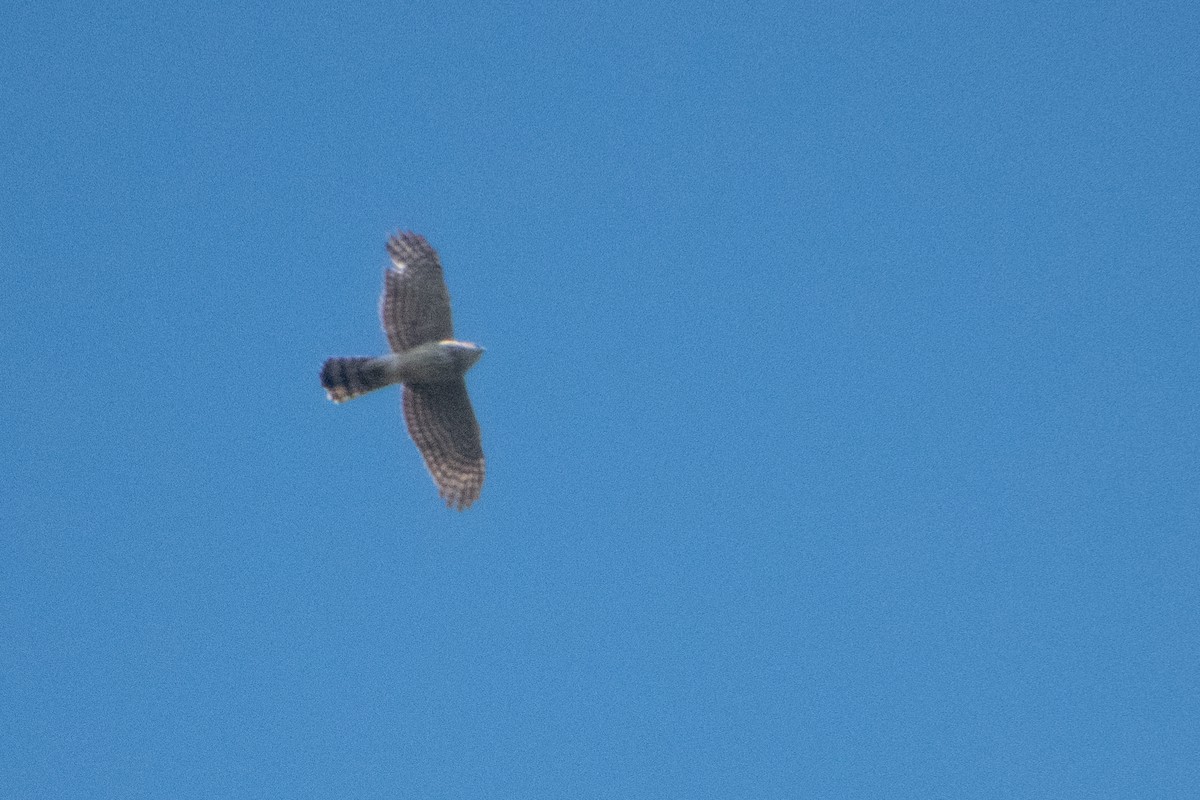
(429,362)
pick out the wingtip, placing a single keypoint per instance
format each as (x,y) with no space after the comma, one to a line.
(402,242)
(462,497)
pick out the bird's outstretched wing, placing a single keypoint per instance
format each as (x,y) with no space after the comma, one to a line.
(442,424)
(415,307)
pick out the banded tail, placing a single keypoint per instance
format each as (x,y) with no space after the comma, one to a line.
(347,378)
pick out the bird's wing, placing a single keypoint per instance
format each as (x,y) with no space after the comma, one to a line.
(442,424)
(415,307)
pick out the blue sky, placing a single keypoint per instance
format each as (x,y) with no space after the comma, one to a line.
(840,401)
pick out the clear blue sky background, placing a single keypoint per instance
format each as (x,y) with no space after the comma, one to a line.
(840,401)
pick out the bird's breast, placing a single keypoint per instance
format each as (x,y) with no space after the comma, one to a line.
(427,363)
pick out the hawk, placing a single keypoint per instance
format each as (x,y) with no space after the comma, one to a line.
(415,310)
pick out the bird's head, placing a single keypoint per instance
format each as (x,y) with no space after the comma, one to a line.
(465,354)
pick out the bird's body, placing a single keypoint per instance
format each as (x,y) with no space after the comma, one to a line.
(432,362)
(426,359)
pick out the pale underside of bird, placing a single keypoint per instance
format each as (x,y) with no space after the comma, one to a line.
(426,359)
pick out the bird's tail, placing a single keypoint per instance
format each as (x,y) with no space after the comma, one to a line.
(347,378)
